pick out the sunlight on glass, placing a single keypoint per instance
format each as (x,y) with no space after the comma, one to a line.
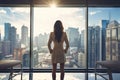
(53,5)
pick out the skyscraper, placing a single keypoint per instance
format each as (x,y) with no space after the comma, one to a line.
(103,26)
(73,36)
(93,45)
(7,31)
(82,41)
(13,39)
(113,41)
(24,35)
(9,38)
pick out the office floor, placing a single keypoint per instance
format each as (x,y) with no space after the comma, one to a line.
(47,76)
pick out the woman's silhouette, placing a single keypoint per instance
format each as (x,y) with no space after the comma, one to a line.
(58,37)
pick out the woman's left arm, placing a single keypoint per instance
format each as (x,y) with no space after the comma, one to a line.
(49,43)
(67,43)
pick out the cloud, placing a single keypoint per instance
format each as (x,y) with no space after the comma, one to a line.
(16,16)
(2,11)
(20,10)
(94,12)
(44,18)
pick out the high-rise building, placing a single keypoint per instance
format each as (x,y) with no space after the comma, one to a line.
(81,60)
(7,31)
(12,39)
(82,43)
(93,45)
(42,40)
(104,24)
(113,41)
(73,36)
(26,59)
(24,35)
(6,48)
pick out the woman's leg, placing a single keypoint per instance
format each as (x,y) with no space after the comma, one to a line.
(54,71)
(62,71)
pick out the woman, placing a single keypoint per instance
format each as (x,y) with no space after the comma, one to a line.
(58,37)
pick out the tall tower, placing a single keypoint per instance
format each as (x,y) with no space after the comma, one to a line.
(93,45)
(104,24)
(13,39)
(73,36)
(82,41)
(24,35)
(113,41)
(7,31)
(9,42)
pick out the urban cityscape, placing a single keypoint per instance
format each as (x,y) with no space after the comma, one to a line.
(103,44)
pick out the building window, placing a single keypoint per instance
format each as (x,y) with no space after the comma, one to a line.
(15,33)
(74,25)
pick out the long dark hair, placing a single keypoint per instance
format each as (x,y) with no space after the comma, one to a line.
(58,30)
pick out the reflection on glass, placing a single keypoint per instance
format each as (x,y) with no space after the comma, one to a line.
(14,34)
(74,25)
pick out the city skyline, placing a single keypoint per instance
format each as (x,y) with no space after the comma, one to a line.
(43,22)
(76,55)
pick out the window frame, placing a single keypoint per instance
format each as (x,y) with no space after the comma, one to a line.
(31,70)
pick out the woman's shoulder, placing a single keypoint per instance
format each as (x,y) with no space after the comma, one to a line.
(51,33)
(64,32)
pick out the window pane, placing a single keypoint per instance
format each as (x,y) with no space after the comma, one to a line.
(14,34)
(103,34)
(74,25)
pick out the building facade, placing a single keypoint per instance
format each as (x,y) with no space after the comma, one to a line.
(113,41)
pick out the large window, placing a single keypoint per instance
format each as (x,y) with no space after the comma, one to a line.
(74,25)
(14,34)
(101,43)
(103,26)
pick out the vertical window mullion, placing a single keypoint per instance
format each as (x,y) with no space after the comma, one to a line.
(31,41)
(86,75)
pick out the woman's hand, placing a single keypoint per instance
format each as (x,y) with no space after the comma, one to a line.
(65,51)
(51,51)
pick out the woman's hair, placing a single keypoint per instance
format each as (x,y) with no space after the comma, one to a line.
(58,30)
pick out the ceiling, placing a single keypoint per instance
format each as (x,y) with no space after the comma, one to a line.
(70,3)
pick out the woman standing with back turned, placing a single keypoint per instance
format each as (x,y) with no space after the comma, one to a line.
(58,37)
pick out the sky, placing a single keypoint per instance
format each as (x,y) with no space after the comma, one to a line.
(44,18)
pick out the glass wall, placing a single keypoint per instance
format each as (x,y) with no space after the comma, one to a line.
(73,20)
(14,34)
(103,34)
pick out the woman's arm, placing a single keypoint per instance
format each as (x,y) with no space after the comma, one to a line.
(49,43)
(67,43)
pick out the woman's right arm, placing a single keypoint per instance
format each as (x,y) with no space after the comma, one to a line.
(49,43)
(67,43)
